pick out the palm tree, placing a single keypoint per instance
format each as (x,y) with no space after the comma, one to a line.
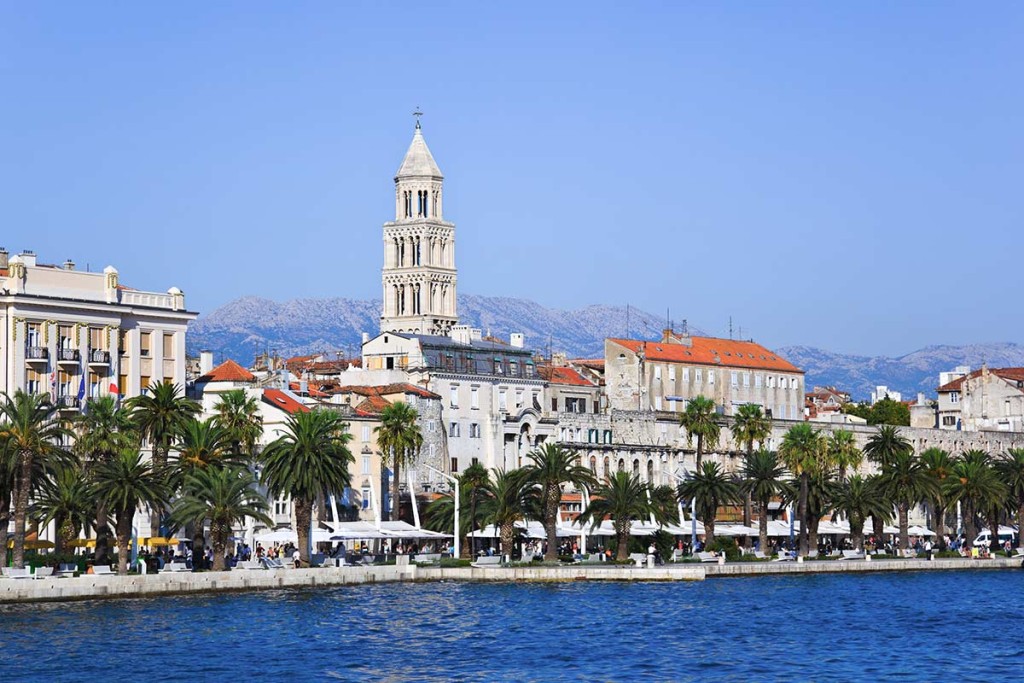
(66,499)
(623,498)
(201,444)
(510,498)
(907,483)
(474,480)
(843,452)
(30,432)
(159,415)
(310,459)
(883,445)
(439,514)
(224,496)
(939,465)
(857,499)
(803,452)
(763,480)
(974,483)
(124,483)
(238,414)
(821,491)
(1011,470)
(551,467)
(8,468)
(664,500)
(750,424)
(699,419)
(103,431)
(710,488)
(399,437)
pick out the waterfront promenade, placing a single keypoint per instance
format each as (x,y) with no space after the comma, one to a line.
(90,587)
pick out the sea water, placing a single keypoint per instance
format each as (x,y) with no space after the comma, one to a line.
(927,626)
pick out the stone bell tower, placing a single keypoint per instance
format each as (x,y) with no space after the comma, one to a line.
(419,250)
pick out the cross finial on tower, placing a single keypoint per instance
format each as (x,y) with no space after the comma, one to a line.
(417,114)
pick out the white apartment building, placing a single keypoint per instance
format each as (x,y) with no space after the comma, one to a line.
(78,335)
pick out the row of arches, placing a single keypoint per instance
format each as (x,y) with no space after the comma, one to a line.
(420,204)
(408,298)
(411,251)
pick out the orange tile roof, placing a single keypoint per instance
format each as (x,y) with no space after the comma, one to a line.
(563,375)
(711,351)
(386,389)
(1009,374)
(372,405)
(279,399)
(228,371)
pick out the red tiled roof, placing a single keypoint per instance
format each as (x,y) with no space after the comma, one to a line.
(1009,374)
(387,390)
(563,375)
(310,389)
(228,371)
(711,351)
(592,363)
(279,399)
(373,405)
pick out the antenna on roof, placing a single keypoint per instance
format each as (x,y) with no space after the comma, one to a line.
(686,327)
(730,327)
(627,321)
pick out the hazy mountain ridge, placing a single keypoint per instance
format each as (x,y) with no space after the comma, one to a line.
(251,325)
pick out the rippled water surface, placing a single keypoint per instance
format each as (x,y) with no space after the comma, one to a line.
(920,626)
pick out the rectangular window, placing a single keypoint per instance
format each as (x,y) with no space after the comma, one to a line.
(366,432)
(711,376)
(519,398)
(431,450)
(686,374)
(657,372)
(954,397)
(746,379)
(497,366)
(672,373)
(64,339)
(607,436)
(474,398)
(948,420)
(430,426)
(513,368)
(33,382)
(657,402)
(366,464)
(32,335)
(168,345)
(144,383)
(455,396)
(734,379)
(474,430)
(366,498)
(502,400)
(554,404)
(454,431)
(122,342)
(145,343)
(97,340)
(757,381)
(455,465)
(696,376)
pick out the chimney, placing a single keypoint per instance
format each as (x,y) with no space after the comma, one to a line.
(366,337)
(559,360)
(3,257)
(475,334)
(69,265)
(205,362)
(303,387)
(28,258)
(517,340)
(461,334)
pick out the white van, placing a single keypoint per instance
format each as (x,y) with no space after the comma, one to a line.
(984,538)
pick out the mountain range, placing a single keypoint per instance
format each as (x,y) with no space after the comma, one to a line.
(248,326)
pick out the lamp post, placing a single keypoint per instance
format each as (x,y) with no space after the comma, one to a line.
(455,483)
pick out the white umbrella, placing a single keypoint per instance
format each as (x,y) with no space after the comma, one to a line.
(280,536)
(734,530)
(919,531)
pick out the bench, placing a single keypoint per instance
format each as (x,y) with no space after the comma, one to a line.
(852,555)
(760,556)
(43,573)
(785,556)
(67,570)
(249,564)
(639,558)
(102,570)
(707,557)
(17,573)
(427,558)
(487,561)
(595,557)
(176,566)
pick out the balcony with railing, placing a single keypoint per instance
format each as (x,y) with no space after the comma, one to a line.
(36,354)
(66,356)
(68,402)
(99,357)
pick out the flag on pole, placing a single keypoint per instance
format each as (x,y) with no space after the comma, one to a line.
(114,391)
(81,387)
(53,384)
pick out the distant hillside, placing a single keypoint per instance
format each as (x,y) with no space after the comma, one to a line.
(250,325)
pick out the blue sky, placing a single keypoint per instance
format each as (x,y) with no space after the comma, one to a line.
(843,175)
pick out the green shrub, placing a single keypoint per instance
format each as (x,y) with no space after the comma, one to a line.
(454,562)
(945,554)
(727,545)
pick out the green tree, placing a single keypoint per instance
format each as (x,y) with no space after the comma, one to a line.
(103,430)
(749,425)
(975,485)
(310,459)
(843,452)
(857,499)
(710,488)
(885,444)
(159,415)
(8,468)
(223,496)
(475,480)
(1011,470)
(939,466)
(762,480)
(123,483)
(623,498)
(440,512)
(201,444)
(700,420)
(889,412)
(30,431)
(400,438)
(238,414)
(510,498)
(803,452)
(907,483)
(551,466)
(66,499)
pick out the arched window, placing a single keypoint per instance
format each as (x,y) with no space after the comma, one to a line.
(636,467)
(593,464)
(650,471)
(607,467)
(622,464)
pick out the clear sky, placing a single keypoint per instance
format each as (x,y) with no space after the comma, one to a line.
(844,175)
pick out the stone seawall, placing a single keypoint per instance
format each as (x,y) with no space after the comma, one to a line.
(91,587)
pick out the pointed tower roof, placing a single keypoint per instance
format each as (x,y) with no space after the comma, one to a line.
(418,160)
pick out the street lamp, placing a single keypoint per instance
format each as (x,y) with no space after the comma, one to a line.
(455,482)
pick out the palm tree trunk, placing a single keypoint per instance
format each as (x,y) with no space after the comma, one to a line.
(993,530)
(396,500)
(303,518)
(1020,523)
(762,526)
(156,512)
(198,547)
(700,450)
(709,533)
(23,488)
(5,514)
(102,534)
(472,523)
(970,526)
(857,532)
(59,532)
(812,532)
(802,513)
(508,537)
(217,531)
(124,533)
(903,509)
(551,520)
(877,530)
(940,526)
(622,539)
